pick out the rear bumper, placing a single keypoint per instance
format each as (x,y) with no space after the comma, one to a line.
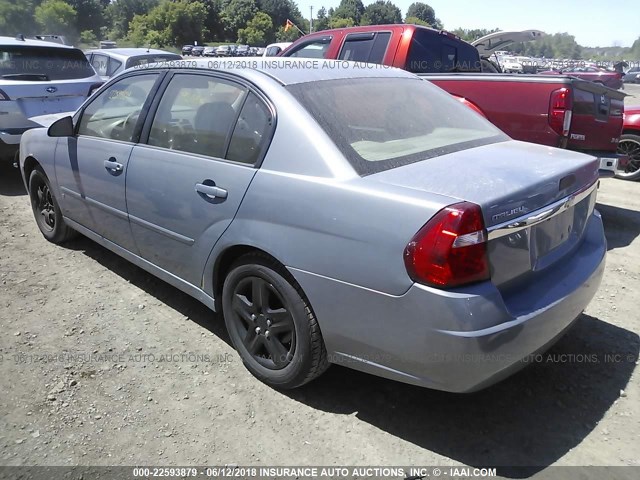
(610,163)
(458,341)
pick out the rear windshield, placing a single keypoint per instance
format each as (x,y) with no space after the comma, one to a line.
(43,63)
(383,123)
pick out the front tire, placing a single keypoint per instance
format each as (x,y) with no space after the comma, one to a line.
(630,145)
(271,323)
(46,209)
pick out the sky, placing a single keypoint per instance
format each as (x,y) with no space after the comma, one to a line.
(594,23)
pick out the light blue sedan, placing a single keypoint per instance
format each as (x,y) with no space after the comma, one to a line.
(334,212)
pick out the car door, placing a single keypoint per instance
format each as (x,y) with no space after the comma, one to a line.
(185,184)
(91,166)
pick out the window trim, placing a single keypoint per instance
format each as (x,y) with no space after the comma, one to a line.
(144,111)
(374,37)
(248,86)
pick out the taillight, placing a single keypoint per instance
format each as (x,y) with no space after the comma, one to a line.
(3,96)
(450,249)
(560,111)
(93,88)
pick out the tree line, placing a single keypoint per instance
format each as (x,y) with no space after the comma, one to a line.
(172,23)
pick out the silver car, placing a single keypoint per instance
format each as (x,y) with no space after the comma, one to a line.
(112,61)
(406,237)
(38,78)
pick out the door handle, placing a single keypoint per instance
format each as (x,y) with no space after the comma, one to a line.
(111,164)
(211,191)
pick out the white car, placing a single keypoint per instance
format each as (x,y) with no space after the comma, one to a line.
(38,78)
(511,65)
(274,49)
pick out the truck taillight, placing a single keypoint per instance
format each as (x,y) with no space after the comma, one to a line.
(560,106)
(450,249)
(3,96)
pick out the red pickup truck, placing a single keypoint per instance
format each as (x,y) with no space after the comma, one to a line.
(560,111)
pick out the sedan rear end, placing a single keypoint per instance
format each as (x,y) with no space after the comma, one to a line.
(507,254)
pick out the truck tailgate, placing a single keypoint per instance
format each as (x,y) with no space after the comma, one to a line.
(596,123)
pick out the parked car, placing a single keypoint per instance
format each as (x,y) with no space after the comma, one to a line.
(38,78)
(113,61)
(274,49)
(629,144)
(242,51)
(558,111)
(197,51)
(511,65)
(373,252)
(632,75)
(209,52)
(186,50)
(223,51)
(608,78)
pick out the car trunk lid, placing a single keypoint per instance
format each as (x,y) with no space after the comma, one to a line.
(535,200)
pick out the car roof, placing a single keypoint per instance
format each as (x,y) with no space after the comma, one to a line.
(13,41)
(128,52)
(289,71)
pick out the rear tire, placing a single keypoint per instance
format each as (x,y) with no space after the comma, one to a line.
(630,145)
(46,209)
(271,323)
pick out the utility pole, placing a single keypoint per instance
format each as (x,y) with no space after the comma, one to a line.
(311,20)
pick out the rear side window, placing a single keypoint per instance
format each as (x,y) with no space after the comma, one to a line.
(365,47)
(43,63)
(433,52)
(251,131)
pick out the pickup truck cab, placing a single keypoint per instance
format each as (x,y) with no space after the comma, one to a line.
(558,111)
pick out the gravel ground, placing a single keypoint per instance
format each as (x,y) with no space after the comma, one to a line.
(82,379)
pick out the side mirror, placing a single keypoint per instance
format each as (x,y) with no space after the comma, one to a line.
(62,127)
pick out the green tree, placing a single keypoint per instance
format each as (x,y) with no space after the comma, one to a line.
(349,9)
(17,17)
(89,15)
(120,13)
(425,13)
(170,23)
(88,38)
(236,14)
(56,16)
(257,30)
(381,12)
(321,21)
(338,22)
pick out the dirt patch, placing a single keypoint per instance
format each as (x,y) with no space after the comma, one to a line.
(103,364)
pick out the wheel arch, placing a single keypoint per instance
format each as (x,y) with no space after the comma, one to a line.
(30,164)
(630,131)
(223,263)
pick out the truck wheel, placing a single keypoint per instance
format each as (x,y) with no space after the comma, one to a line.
(630,145)
(46,209)
(271,323)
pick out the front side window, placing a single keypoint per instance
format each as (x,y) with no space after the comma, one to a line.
(115,111)
(196,114)
(411,120)
(313,49)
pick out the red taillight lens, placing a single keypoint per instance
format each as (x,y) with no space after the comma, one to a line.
(560,106)
(3,96)
(451,249)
